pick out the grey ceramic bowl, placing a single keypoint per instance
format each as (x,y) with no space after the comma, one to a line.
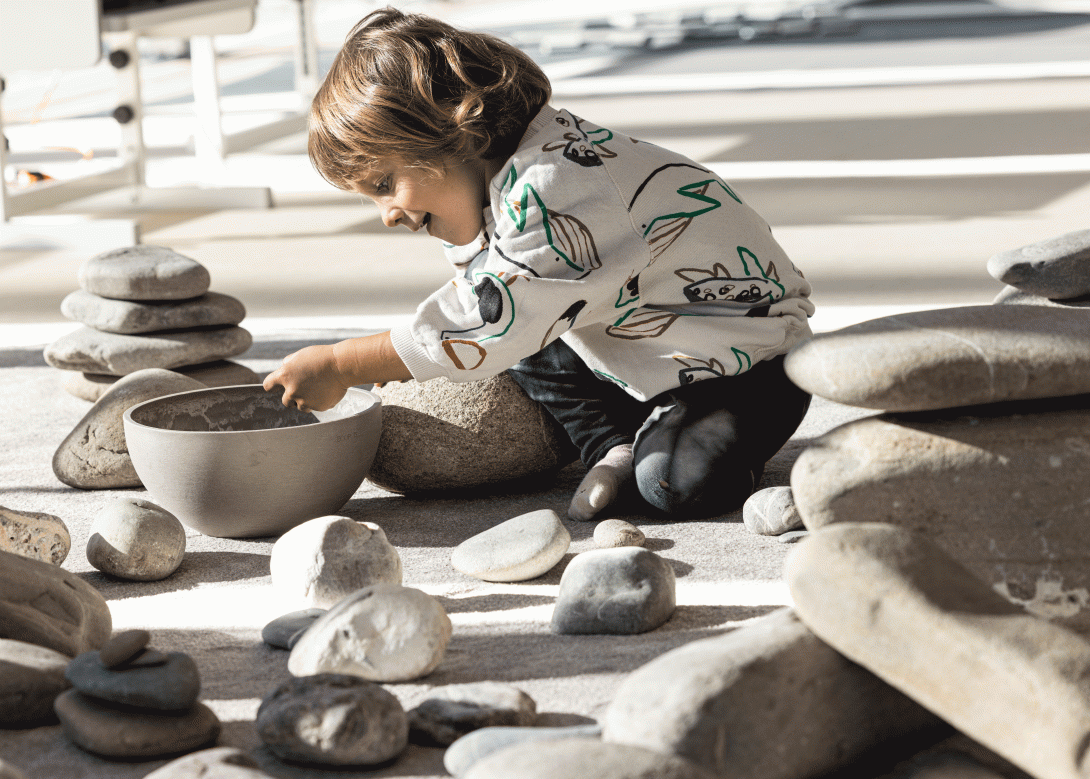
(233,462)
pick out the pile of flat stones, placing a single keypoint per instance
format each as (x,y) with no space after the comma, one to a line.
(149,307)
(132,701)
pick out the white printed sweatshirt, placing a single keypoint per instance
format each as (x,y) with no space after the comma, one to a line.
(650,267)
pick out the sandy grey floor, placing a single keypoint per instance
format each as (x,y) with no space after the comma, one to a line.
(215,605)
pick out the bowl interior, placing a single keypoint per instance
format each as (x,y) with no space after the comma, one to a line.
(244,408)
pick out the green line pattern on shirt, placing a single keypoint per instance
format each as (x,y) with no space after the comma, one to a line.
(692,192)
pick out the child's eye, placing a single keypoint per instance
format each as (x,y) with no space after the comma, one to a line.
(383,186)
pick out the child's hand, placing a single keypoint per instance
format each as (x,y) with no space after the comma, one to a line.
(310,379)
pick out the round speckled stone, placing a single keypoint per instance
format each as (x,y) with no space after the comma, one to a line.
(612,533)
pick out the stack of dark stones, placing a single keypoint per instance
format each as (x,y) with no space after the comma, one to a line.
(131,701)
(149,307)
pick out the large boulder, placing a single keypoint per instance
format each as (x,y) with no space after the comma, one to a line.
(1001,487)
(442,435)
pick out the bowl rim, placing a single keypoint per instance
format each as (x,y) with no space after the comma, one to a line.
(128,420)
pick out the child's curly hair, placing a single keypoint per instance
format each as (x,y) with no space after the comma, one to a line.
(414,89)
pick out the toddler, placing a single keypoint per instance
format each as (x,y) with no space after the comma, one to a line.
(626,288)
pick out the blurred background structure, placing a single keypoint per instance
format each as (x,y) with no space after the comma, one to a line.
(892,146)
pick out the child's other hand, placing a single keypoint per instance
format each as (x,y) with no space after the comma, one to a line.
(310,379)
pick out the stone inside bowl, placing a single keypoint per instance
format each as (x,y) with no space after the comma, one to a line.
(204,412)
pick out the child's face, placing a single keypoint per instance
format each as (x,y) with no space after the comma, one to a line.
(449,207)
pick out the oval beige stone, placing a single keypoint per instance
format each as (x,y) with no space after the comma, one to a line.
(51,607)
(948,357)
(35,535)
(443,435)
(91,351)
(1002,488)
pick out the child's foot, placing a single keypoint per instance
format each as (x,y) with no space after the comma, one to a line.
(603,483)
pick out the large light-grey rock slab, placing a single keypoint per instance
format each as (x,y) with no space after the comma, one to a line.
(383,633)
(948,357)
(521,548)
(31,676)
(444,435)
(1053,268)
(769,699)
(92,351)
(892,601)
(34,534)
(333,719)
(212,309)
(46,605)
(622,591)
(320,562)
(1001,487)
(95,455)
(144,272)
(585,758)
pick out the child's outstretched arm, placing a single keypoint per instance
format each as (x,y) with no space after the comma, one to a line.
(317,377)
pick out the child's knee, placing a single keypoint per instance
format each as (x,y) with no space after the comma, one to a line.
(692,495)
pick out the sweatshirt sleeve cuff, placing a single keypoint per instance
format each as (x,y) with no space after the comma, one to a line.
(414,355)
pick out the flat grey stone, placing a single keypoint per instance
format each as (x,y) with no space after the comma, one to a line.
(135,539)
(31,676)
(472,747)
(450,712)
(1017,684)
(212,309)
(92,351)
(323,560)
(333,719)
(769,699)
(444,435)
(111,732)
(215,763)
(1001,487)
(771,512)
(172,686)
(1053,268)
(792,536)
(622,591)
(948,357)
(286,630)
(1012,296)
(94,455)
(583,758)
(383,633)
(516,550)
(32,534)
(219,373)
(123,647)
(144,273)
(612,533)
(46,605)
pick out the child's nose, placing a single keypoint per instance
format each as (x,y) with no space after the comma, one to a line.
(392,216)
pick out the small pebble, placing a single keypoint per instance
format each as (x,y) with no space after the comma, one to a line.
(136,539)
(771,512)
(285,631)
(1055,268)
(172,686)
(448,713)
(214,763)
(333,719)
(42,537)
(613,533)
(463,753)
(614,591)
(149,657)
(519,549)
(123,647)
(792,536)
